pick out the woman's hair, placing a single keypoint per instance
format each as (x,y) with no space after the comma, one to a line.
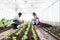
(34,13)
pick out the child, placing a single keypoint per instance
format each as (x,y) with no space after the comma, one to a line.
(36,20)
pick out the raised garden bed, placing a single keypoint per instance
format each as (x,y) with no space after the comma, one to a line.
(5,29)
(24,33)
(5,25)
(53,30)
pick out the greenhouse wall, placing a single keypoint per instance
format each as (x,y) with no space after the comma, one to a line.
(47,11)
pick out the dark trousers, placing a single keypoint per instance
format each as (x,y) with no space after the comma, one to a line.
(36,24)
(15,24)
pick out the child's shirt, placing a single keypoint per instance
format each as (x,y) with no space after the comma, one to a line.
(36,20)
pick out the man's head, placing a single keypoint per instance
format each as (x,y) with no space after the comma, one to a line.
(19,14)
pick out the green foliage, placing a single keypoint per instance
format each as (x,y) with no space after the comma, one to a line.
(34,34)
(4,24)
(8,36)
(1,24)
(14,38)
(19,30)
(26,33)
(24,37)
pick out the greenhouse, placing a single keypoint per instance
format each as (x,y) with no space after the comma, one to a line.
(29,20)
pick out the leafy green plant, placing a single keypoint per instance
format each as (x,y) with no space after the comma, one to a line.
(26,33)
(8,36)
(1,24)
(14,38)
(34,34)
(24,37)
(19,30)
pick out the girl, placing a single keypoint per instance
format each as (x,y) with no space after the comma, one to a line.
(36,20)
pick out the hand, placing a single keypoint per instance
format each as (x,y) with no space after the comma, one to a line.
(22,21)
(32,19)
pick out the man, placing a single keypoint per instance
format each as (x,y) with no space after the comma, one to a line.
(17,21)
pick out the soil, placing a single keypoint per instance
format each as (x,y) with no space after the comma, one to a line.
(37,35)
(53,29)
(5,29)
(21,34)
(30,35)
(18,37)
